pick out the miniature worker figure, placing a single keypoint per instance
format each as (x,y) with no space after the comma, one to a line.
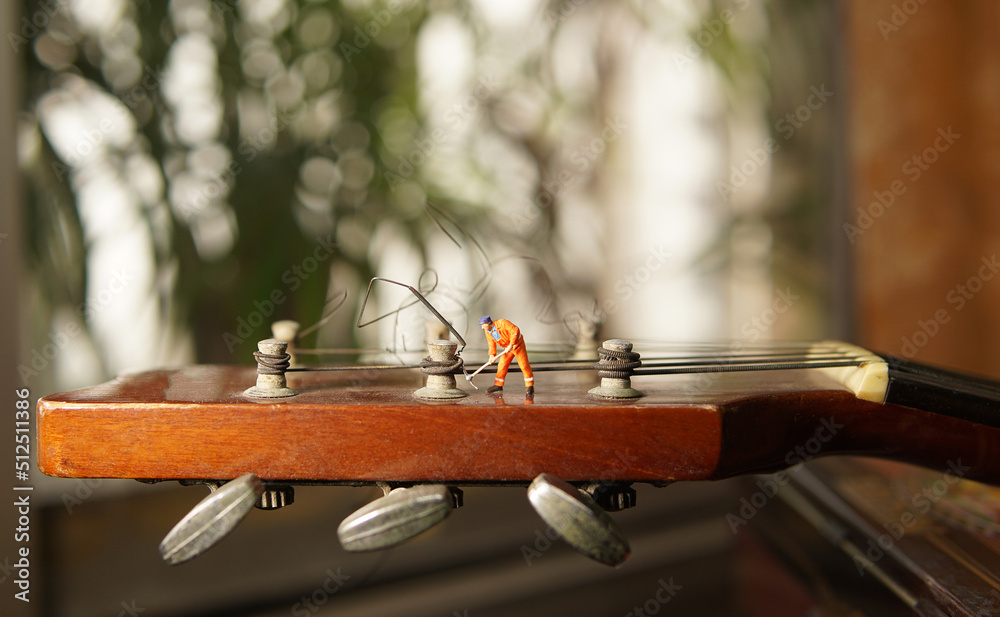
(503,334)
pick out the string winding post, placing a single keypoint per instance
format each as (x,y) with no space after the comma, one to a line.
(615,368)
(272,364)
(440,366)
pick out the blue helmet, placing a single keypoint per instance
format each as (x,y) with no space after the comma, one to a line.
(485,319)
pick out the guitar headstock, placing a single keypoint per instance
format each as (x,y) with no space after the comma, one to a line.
(365,425)
(574,442)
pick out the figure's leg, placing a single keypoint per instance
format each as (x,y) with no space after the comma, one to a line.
(502,365)
(522,361)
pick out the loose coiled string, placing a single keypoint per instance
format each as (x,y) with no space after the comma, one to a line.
(272,364)
(615,364)
(448,367)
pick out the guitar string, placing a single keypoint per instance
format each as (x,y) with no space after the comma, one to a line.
(747,367)
(687,360)
(742,356)
(569,349)
(717,358)
(676,353)
(676,370)
(653,366)
(667,362)
(735,348)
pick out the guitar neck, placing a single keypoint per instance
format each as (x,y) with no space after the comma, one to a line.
(964,397)
(925,415)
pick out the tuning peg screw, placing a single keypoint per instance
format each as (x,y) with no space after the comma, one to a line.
(613,497)
(275,496)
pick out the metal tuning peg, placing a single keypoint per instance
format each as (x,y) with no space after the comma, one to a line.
(212,519)
(398,516)
(577,518)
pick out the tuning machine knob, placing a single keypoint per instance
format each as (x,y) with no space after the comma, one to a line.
(577,518)
(398,516)
(212,519)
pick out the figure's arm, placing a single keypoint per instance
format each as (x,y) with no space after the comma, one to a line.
(492,345)
(514,332)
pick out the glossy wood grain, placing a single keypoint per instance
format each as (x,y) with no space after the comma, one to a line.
(365,426)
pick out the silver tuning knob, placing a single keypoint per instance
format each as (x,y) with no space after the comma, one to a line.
(212,519)
(578,520)
(398,516)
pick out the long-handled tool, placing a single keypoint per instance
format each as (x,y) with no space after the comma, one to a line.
(488,362)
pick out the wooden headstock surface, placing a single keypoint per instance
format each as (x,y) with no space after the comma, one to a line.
(363,426)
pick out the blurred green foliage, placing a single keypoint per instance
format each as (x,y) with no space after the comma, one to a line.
(313,100)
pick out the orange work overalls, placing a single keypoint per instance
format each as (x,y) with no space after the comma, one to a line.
(502,334)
